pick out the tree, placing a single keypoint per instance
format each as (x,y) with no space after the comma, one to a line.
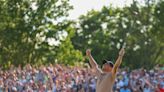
(106,31)
(30,31)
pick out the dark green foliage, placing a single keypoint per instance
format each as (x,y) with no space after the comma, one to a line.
(27,25)
(139,27)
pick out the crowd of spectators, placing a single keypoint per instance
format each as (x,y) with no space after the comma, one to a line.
(60,78)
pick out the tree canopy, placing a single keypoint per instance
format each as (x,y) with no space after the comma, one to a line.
(36,32)
(138,27)
(39,32)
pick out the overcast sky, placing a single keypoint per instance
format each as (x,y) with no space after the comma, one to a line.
(82,6)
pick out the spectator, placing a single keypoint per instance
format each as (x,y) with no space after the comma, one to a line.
(59,78)
(125,89)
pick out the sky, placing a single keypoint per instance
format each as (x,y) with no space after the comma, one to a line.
(83,6)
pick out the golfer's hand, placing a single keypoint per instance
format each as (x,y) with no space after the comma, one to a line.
(122,52)
(88,52)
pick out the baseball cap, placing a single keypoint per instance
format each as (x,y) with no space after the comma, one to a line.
(108,62)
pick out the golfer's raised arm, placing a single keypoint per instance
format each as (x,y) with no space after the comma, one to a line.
(118,61)
(92,61)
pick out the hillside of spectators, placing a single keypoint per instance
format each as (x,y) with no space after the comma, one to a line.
(60,78)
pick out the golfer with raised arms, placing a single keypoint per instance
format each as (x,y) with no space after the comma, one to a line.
(106,76)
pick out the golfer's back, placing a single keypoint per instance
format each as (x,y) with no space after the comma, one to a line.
(105,83)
